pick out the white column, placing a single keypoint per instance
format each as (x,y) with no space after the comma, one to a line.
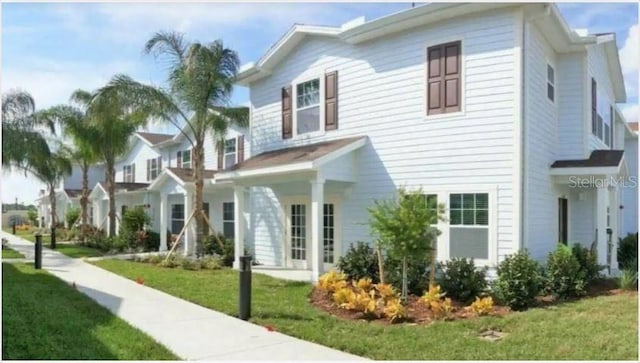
(615,212)
(188,237)
(164,207)
(239,224)
(317,225)
(601,224)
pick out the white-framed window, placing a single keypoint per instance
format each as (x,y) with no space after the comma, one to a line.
(186,159)
(469,226)
(307,111)
(128,176)
(228,220)
(177,218)
(230,152)
(551,83)
(154,168)
(329,233)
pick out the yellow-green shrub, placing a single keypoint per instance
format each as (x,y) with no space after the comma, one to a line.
(394,310)
(364,284)
(482,306)
(332,281)
(386,291)
(442,308)
(343,296)
(362,302)
(432,295)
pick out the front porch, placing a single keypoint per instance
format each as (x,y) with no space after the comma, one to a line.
(305,187)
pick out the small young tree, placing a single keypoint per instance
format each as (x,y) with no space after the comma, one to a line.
(405,227)
(32,214)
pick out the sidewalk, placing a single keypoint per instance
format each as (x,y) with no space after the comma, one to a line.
(189,330)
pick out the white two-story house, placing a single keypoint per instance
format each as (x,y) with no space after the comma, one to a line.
(500,112)
(157,174)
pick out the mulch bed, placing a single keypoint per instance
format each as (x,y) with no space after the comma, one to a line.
(419,313)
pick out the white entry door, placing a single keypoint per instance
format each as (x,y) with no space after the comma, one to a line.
(298,235)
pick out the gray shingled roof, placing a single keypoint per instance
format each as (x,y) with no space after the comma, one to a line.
(129,187)
(186,174)
(155,138)
(596,159)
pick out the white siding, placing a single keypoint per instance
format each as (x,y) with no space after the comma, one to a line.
(598,69)
(74,181)
(210,150)
(541,140)
(571,96)
(630,192)
(139,154)
(382,95)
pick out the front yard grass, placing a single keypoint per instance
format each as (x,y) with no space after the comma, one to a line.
(590,329)
(45,318)
(77,251)
(11,253)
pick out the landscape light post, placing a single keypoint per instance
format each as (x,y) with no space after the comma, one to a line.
(244,308)
(38,254)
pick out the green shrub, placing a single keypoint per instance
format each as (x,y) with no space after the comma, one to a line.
(156,259)
(152,241)
(628,279)
(134,219)
(189,264)
(417,273)
(519,281)
(628,252)
(210,263)
(360,261)
(588,260)
(461,280)
(72,216)
(171,262)
(564,277)
(226,252)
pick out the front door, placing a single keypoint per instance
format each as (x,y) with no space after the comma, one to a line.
(297,233)
(563,234)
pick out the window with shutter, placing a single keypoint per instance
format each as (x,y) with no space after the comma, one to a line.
(443,78)
(331,101)
(179,159)
(240,148)
(220,152)
(287,131)
(594,107)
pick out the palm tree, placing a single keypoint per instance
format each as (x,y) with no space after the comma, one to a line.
(76,124)
(22,143)
(108,125)
(201,78)
(51,171)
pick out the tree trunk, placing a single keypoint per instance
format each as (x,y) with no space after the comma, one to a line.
(52,201)
(380,262)
(198,171)
(112,198)
(84,200)
(404,280)
(432,263)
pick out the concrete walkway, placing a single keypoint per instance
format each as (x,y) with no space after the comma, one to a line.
(191,331)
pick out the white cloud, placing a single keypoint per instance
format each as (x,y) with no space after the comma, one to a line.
(631,112)
(630,59)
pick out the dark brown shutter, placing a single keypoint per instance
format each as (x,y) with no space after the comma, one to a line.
(287,131)
(331,101)
(220,155)
(133,173)
(179,161)
(594,107)
(240,148)
(148,169)
(443,78)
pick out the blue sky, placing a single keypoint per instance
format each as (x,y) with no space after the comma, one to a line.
(52,49)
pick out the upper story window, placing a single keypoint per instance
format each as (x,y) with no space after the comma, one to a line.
(154,167)
(308,106)
(551,83)
(230,153)
(129,173)
(184,159)
(601,116)
(444,88)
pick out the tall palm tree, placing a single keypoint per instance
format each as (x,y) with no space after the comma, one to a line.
(201,78)
(75,123)
(51,171)
(22,141)
(109,124)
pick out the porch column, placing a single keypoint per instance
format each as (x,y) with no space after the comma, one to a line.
(601,224)
(614,207)
(163,222)
(239,224)
(317,226)
(188,236)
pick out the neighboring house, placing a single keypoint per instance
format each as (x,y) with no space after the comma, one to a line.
(630,191)
(67,195)
(494,110)
(156,174)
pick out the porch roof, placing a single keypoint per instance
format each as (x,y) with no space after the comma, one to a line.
(153,138)
(181,176)
(73,193)
(291,159)
(599,163)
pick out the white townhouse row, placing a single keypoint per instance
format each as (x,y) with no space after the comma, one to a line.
(500,112)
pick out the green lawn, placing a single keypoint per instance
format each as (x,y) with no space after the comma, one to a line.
(77,251)
(45,318)
(9,253)
(590,329)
